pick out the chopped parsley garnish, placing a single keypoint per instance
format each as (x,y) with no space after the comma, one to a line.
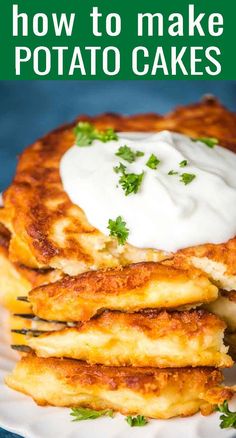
(139,154)
(131,182)
(187,178)
(80,414)
(120,169)
(86,133)
(127,154)
(209,141)
(138,421)
(152,162)
(183,163)
(228,418)
(172,172)
(118,229)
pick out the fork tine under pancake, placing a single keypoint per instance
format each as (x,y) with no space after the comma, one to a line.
(147,391)
(17,324)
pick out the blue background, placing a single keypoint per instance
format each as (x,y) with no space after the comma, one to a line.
(30,109)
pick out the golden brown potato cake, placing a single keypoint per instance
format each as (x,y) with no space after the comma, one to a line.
(225,308)
(131,288)
(146,391)
(17,280)
(217,261)
(49,231)
(12,282)
(177,339)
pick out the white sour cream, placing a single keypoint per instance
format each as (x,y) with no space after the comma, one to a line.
(165,214)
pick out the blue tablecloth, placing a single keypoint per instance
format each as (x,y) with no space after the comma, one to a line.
(4,434)
(29,109)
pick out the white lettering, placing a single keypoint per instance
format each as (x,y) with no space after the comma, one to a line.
(216,63)
(22,54)
(77,62)
(195,22)
(95,19)
(15,22)
(106,61)
(177,28)
(135,55)
(176,59)
(150,23)
(62,23)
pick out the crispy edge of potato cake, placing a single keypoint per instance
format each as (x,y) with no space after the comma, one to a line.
(17,280)
(218,262)
(154,339)
(151,392)
(130,288)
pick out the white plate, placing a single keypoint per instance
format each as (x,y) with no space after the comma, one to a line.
(21,415)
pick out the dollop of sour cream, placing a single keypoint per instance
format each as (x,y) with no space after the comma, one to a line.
(165,214)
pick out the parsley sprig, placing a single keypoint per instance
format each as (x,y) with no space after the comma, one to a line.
(187,178)
(138,421)
(131,182)
(172,172)
(183,163)
(128,154)
(120,169)
(228,418)
(80,414)
(118,229)
(139,154)
(152,162)
(86,133)
(209,141)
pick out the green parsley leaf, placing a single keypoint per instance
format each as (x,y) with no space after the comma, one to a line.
(139,154)
(152,162)
(209,141)
(89,414)
(172,172)
(138,421)
(107,135)
(83,134)
(127,154)
(131,182)
(183,163)
(120,169)
(86,133)
(118,229)
(187,178)
(228,419)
